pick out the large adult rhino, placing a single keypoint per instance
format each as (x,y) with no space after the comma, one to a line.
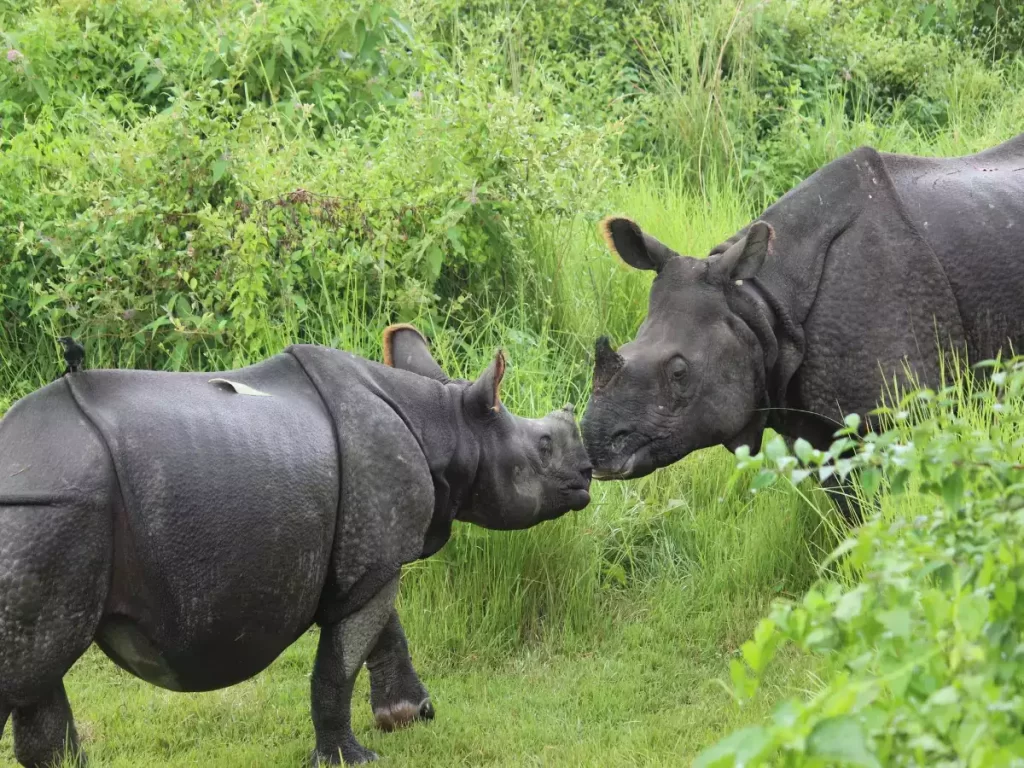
(873,262)
(195,525)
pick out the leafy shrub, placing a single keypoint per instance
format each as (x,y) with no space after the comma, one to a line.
(194,228)
(345,59)
(925,633)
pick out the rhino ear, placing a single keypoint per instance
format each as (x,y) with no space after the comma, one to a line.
(639,250)
(743,259)
(484,394)
(406,348)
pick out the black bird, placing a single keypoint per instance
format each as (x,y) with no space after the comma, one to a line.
(74,354)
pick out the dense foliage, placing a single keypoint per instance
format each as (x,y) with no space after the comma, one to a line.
(922,620)
(179,174)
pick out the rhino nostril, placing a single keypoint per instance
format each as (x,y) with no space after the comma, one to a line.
(587,472)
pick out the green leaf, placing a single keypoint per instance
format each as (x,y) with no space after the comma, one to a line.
(742,681)
(971,614)
(219,168)
(944,697)
(803,450)
(455,239)
(752,654)
(402,27)
(763,479)
(270,70)
(737,749)
(1006,595)
(434,257)
(898,482)
(896,621)
(838,552)
(178,354)
(870,480)
(615,572)
(841,739)
(849,605)
(152,82)
(797,476)
(953,490)
(42,302)
(775,449)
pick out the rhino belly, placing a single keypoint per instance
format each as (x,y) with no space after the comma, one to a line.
(223,533)
(213,659)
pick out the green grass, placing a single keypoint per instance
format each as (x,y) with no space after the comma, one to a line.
(646,698)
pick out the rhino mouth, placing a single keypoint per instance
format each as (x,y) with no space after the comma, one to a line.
(633,465)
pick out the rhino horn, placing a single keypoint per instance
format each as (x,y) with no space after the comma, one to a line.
(607,363)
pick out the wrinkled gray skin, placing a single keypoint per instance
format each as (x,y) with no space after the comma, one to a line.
(871,264)
(194,529)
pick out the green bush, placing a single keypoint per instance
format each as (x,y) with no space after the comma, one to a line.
(921,620)
(130,57)
(223,208)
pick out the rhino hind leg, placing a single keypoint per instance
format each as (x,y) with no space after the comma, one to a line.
(397,695)
(44,732)
(344,647)
(54,569)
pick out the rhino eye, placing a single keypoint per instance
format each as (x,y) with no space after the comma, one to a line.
(544,448)
(677,369)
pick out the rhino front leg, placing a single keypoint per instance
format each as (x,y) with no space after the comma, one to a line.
(844,496)
(343,648)
(397,695)
(841,492)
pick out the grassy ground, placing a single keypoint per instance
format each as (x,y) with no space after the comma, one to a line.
(645,698)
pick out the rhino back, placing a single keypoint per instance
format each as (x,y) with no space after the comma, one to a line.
(223,538)
(971,212)
(864,295)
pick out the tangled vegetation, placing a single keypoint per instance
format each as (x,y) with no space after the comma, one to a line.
(920,618)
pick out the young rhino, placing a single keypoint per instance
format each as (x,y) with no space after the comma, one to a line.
(195,526)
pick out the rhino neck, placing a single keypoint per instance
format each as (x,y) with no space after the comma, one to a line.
(807,221)
(432,411)
(454,457)
(754,309)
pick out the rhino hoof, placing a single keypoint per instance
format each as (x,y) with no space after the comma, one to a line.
(352,753)
(402,714)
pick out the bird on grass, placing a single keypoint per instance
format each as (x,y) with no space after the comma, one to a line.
(74,354)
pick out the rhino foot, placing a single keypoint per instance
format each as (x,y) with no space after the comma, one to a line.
(401,714)
(351,753)
(45,735)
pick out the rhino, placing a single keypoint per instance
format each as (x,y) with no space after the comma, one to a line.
(194,525)
(863,276)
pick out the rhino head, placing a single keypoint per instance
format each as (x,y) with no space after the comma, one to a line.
(524,471)
(694,376)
